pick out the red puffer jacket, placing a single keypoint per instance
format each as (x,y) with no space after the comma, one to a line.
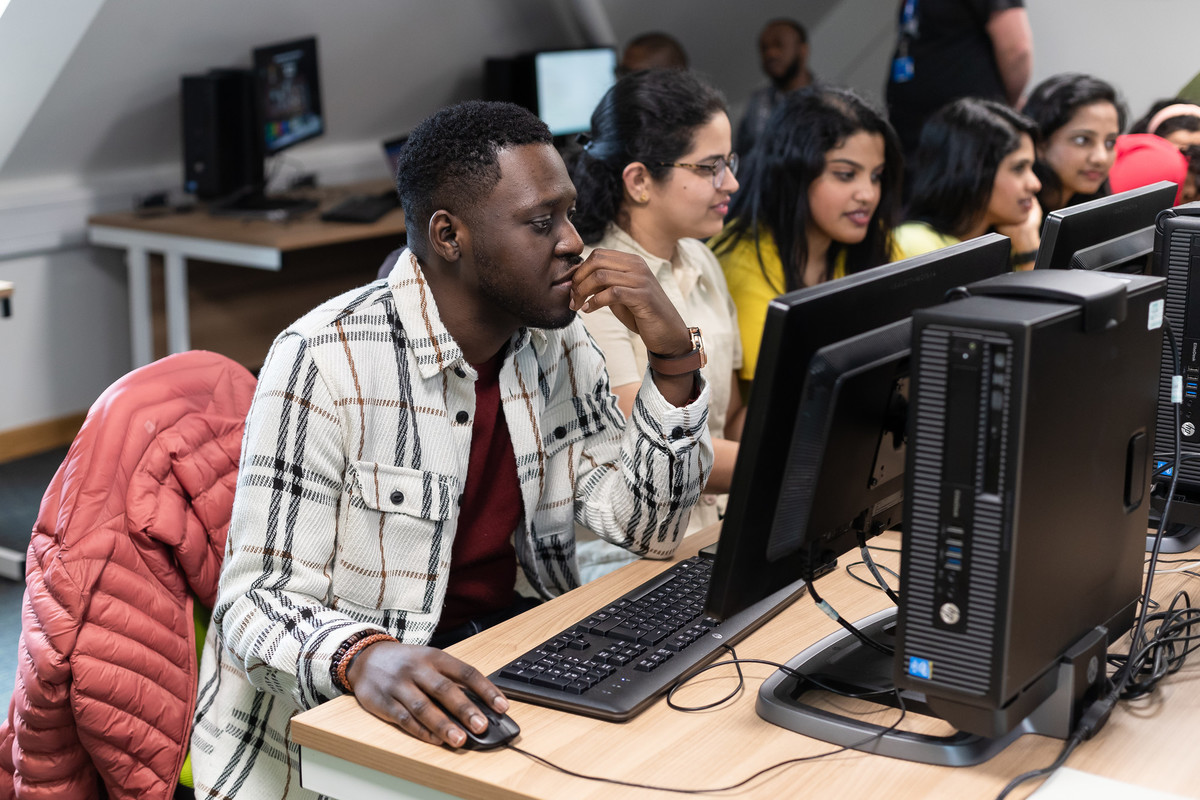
(132,526)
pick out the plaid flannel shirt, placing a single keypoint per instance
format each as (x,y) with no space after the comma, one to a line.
(354,458)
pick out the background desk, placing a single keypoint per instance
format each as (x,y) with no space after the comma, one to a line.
(349,754)
(259,244)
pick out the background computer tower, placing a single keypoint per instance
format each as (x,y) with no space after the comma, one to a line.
(219,128)
(1177,258)
(1029,441)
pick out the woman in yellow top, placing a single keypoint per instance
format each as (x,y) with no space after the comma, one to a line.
(655,176)
(818,200)
(974,173)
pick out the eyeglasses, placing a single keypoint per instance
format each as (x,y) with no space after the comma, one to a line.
(716,169)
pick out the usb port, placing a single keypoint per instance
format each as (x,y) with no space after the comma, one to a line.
(954,564)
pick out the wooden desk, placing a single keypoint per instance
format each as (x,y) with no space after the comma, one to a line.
(347,753)
(259,244)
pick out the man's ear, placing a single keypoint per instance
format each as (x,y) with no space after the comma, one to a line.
(637,179)
(446,235)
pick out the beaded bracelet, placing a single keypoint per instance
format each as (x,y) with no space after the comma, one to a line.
(351,648)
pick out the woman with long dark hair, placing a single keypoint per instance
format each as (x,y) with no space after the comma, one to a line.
(1079,118)
(974,173)
(819,199)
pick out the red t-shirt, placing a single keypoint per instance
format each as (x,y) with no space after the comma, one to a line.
(483,563)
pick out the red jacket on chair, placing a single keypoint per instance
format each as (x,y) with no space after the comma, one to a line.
(132,526)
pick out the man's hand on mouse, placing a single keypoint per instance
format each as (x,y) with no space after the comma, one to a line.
(399,683)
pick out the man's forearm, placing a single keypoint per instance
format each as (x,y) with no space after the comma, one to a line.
(1012,43)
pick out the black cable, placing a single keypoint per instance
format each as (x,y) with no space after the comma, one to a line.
(752,777)
(1069,748)
(683,679)
(836,617)
(870,562)
(873,584)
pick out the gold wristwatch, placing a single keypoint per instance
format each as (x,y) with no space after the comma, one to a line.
(681,365)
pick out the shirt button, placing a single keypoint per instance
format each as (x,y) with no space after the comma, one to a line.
(459,372)
(677,433)
(397,497)
(560,432)
(462,417)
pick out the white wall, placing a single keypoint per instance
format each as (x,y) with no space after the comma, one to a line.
(105,127)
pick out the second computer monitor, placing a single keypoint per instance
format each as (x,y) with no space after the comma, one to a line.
(813,472)
(1074,228)
(287,90)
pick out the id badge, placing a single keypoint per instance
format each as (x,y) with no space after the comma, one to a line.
(902,69)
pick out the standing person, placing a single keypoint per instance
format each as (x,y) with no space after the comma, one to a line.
(1079,119)
(783,53)
(818,201)
(947,49)
(653,50)
(974,174)
(654,179)
(415,445)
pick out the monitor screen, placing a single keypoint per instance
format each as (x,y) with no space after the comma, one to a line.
(814,472)
(288,93)
(1071,229)
(569,85)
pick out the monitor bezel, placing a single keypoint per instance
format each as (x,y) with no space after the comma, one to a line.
(1070,229)
(261,56)
(799,324)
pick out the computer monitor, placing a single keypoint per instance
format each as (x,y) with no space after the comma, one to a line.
(1069,230)
(799,444)
(1129,254)
(287,90)
(561,86)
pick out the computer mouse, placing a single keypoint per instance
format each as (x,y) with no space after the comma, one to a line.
(500,728)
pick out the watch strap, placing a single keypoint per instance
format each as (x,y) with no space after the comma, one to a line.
(680,365)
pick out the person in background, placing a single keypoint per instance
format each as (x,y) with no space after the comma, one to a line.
(1079,119)
(818,201)
(974,174)
(653,50)
(1143,159)
(947,49)
(654,178)
(1178,121)
(783,54)
(418,447)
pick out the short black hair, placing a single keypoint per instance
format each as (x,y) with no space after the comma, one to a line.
(791,23)
(450,159)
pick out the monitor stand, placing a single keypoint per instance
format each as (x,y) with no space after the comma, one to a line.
(253,202)
(1183,528)
(841,661)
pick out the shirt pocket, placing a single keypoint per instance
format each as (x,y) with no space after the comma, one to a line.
(394,539)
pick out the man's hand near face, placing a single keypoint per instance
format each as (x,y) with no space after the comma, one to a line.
(623,282)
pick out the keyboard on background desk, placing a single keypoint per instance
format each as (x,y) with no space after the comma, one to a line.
(362,208)
(618,660)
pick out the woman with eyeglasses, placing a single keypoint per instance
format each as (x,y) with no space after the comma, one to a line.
(820,197)
(654,178)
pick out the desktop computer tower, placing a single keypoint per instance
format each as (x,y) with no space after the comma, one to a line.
(1177,258)
(218,122)
(1031,427)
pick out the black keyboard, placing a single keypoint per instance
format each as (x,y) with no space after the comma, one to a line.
(364,208)
(618,660)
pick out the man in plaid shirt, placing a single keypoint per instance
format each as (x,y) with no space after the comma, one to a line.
(422,445)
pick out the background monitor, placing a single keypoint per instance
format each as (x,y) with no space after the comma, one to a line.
(1129,254)
(569,85)
(562,87)
(800,444)
(287,90)
(1071,229)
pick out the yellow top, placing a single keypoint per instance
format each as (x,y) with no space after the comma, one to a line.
(754,286)
(915,238)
